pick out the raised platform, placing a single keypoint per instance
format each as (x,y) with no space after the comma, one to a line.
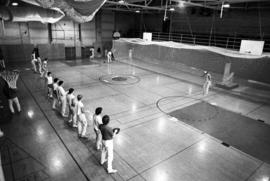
(222,51)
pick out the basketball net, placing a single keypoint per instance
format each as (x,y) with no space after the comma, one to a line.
(11,78)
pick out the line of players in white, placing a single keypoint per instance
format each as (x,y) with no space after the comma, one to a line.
(78,116)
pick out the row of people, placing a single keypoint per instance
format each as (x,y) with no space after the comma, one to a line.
(64,99)
(68,102)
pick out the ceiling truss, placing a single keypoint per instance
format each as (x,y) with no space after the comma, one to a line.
(164,5)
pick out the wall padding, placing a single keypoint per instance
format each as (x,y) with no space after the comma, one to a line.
(17,53)
(52,51)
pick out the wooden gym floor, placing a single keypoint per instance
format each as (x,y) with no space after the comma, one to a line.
(39,145)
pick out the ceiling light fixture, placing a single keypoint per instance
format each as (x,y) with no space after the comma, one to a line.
(137,11)
(172,9)
(14,4)
(226,5)
(121,1)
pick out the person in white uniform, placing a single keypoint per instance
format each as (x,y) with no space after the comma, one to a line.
(55,94)
(97,121)
(109,56)
(49,81)
(39,64)
(82,121)
(107,141)
(34,60)
(71,101)
(44,68)
(62,96)
(207,83)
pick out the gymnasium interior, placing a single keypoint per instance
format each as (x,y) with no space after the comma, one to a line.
(187,82)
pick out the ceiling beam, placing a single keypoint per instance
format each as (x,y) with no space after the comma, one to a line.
(136,5)
(227,1)
(195,4)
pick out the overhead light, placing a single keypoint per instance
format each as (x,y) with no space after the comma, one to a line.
(137,11)
(181,4)
(121,1)
(226,5)
(14,4)
(172,9)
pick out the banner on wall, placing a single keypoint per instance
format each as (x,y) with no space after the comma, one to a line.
(251,47)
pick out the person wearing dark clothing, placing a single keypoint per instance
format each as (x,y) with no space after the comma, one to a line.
(107,141)
(11,95)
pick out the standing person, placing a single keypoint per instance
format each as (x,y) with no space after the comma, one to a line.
(207,83)
(10,89)
(55,94)
(62,96)
(44,68)
(49,81)
(107,141)
(39,64)
(38,61)
(82,121)
(71,101)
(109,56)
(97,121)
(34,60)
(11,95)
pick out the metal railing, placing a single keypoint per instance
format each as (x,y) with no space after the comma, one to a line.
(224,41)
